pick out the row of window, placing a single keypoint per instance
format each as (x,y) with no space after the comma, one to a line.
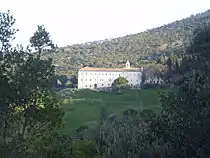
(90,86)
(103,80)
(101,85)
(154,81)
(95,79)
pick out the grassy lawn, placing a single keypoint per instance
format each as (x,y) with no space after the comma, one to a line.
(85,105)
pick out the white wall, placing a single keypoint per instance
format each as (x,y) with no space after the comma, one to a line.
(154,80)
(87,79)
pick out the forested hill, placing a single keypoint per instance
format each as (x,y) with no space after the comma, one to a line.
(138,48)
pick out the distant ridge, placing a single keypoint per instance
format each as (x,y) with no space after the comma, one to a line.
(148,45)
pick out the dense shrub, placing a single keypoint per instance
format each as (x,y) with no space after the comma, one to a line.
(84,149)
(152,86)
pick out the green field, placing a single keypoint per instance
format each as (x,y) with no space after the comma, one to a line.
(84,106)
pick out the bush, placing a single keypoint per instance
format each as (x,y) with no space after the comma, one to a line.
(149,86)
(52,145)
(153,85)
(120,83)
(84,149)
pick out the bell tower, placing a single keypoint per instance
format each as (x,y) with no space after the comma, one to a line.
(127,65)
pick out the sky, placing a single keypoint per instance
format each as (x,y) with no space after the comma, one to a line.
(78,21)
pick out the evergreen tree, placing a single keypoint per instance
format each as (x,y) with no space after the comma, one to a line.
(184,122)
(28,108)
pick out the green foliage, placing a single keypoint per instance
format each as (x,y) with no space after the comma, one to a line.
(140,49)
(103,104)
(184,122)
(130,112)
(41,40)
(84,149)
(53,145)
(64,81)
(169,64)
(104,114)
(28,107)
(120,83)
(181,130)
(7,31)
(125,138)
(30,114)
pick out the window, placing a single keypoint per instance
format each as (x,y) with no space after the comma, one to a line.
(102,84)
(90,79)
(90,85)
(85,85)
(85,79)
(81,79)
(108,84)
(106,73)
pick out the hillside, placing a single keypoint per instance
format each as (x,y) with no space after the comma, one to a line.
(139,48)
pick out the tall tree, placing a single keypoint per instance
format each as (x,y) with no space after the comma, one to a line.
(28,107)
(6,31)
(41,41)
(169,63)
(184,121)
(177,65)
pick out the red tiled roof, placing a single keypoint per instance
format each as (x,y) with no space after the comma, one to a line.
(109,69)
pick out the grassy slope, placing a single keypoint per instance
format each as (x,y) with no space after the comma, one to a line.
(85,105)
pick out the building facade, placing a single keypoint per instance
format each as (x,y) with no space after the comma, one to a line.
(93,78)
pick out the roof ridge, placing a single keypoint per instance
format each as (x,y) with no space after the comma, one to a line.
(107,69)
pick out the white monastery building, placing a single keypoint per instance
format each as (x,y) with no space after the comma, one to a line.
(92,78)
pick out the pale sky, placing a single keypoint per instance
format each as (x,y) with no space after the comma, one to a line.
(77,21)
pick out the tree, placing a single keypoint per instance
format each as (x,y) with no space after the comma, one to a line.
(120,83)
(28,107)
(158,60)
(125,137)
(40,41)
(6,31)
(177,66)
(143,79)
(184,122)
(74,81)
